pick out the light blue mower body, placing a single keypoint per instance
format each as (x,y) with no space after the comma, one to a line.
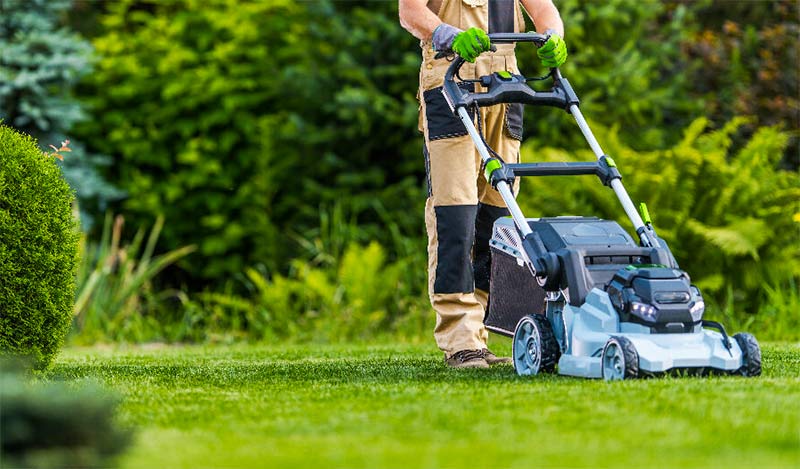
(627,318)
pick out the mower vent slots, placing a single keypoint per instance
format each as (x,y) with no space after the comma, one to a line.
(506,236)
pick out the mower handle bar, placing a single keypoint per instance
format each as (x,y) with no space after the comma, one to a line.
(514,90)
(496,38)
(509,38)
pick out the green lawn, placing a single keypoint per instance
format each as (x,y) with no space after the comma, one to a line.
(397,406)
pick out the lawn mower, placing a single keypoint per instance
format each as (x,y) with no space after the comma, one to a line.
(578,295)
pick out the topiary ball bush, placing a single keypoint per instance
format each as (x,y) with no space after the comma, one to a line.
(38,250)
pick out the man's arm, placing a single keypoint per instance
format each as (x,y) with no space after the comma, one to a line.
(544,15)
(417,19)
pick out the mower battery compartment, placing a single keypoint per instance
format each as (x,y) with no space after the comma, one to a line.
(662,299)
(591,251)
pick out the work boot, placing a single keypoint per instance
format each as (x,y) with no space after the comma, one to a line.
(466,359)
(493,359)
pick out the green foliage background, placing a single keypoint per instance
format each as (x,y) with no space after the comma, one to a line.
(626,64)
(280,139)
(748,51)
(237,122)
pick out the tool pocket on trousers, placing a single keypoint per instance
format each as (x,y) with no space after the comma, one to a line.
(442,123)
(514,120)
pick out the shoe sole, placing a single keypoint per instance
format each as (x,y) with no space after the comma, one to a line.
(500,361)
(470,364)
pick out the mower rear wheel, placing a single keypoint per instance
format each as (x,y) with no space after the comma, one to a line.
(620,359)
(751,354)
(535,349)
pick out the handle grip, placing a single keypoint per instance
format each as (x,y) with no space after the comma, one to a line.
(510,38)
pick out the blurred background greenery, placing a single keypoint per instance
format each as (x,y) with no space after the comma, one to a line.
(252,170)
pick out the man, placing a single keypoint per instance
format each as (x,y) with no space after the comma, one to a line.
(461,207)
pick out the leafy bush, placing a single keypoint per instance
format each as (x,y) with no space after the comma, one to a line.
(653,67)
(38,250)
(116,298)
(626,64)
(779,316)
(361,297)
(238,121)
(56,425)
(728,214)
(40,65)
(339,290)
(749,52)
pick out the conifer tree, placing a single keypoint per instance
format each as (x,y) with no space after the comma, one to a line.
(40,64)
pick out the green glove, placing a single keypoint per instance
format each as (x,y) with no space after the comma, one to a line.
(554,52)
(471,43)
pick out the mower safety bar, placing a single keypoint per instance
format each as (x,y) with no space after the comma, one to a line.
(602,168)
(510,38)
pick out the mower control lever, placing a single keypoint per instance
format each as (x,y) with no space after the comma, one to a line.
(510,38)
(443,54)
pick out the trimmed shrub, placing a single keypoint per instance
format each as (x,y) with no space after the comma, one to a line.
(38,250)
(57,424)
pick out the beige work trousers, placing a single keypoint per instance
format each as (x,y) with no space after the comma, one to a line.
(462,206)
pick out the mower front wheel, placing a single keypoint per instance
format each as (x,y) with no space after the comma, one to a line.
(620,359)
(535,349)
(751,354)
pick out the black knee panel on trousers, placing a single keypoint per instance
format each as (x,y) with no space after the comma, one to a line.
(481,255)
(455,230)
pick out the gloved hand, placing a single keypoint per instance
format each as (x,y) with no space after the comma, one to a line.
(468,44)
(554,52)
(471,43)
